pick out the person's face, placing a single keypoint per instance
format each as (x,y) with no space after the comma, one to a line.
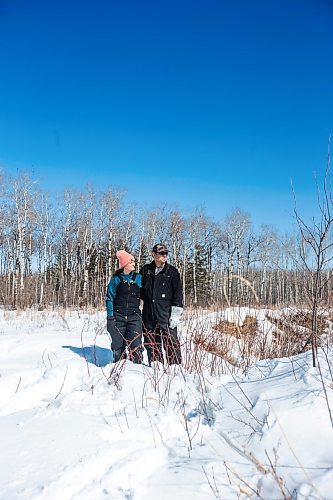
(129,267)
(160,258)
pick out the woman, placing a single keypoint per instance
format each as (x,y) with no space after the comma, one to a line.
(123,314)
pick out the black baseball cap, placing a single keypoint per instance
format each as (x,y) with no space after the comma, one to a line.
(160,247)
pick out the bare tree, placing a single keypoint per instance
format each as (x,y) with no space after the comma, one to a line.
(316,251)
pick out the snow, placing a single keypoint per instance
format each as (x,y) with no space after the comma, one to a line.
(76,426)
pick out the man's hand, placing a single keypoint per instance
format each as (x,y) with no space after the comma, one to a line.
(175,317)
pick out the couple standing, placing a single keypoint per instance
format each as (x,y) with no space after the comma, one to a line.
(158,285)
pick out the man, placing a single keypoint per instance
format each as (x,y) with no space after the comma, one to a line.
(162,297)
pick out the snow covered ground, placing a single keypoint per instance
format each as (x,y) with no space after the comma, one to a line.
(75,426)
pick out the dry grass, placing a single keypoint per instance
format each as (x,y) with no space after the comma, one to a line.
(213,344)
(242,345)
(220,340)
(247,329)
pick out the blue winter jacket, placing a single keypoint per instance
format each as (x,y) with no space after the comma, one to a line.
(112,288)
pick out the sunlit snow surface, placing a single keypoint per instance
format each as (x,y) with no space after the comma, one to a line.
(70,431)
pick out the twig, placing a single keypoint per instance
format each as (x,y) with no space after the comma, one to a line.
(213,487)
(18,385)
(256,492)
(62,385)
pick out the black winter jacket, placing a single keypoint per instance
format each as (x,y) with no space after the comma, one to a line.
(159,292)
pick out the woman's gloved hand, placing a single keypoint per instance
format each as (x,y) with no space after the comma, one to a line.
(111,325)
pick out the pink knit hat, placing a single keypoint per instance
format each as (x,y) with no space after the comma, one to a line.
(124,258)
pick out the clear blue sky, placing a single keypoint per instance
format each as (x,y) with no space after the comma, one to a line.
(213,103)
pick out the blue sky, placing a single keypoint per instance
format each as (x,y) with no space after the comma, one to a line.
(210,103)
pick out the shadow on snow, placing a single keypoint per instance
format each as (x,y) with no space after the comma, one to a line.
(99,356)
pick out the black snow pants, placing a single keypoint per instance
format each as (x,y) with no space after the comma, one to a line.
(127,333)
(153,343)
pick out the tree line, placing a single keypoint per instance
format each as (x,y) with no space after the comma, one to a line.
(61,250)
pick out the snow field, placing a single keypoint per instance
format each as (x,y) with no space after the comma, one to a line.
(76,426)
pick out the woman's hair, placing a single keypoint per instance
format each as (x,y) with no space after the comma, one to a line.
(120,270)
